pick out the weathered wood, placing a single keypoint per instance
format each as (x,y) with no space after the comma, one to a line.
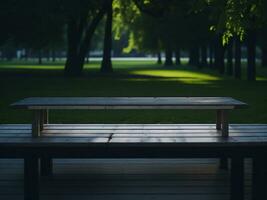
(46,116)
(31,178)
(36,123)
(218,119)
(108,102)
(240,134)
(225,123)
(225,134)
(173,146)
(42,118)
(187,179)
(42,104)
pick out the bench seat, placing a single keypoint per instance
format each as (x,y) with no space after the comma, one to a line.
(138,141)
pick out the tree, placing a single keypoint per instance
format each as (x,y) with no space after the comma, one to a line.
(106,65)
(237,72)
(31,24)
(229,69)
(219,54)
(83,18)
(242,18)
(203,62)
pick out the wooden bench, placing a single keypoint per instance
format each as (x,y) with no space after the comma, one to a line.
(41,106)
(135,141)
(139,141)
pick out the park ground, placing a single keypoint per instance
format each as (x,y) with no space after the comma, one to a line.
(130,78)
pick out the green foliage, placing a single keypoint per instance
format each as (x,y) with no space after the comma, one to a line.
(235,17)
(176,25)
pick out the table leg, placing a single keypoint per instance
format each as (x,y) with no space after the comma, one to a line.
(219,120)
(31,178)
(237,178)
(223,116)
(259,178)
(46,116)
(36,123)
(44,119)
(225,123)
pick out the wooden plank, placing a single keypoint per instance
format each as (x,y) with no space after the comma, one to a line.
(171,135)
(157,141)
(151,126)
(69,131)
(16,131)
(75,135)
(243,127)
(124,102)
(208,141)
(52,140)
(12,135)
(15,126)
(159,107)
(125,196)
(258,132)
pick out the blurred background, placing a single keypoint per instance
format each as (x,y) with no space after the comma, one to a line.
(134,48)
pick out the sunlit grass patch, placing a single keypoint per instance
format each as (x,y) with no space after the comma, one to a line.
(261,78)
(187,77)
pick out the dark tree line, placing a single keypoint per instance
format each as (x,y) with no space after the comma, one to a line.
(157,26)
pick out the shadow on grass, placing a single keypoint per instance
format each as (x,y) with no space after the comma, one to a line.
(125,70)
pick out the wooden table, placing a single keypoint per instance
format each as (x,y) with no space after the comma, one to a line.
(41,105)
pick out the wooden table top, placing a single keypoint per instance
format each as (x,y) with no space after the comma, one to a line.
(129,102)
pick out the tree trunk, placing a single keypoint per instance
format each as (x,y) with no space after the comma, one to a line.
(194,56)
(53,55)
(251,58)
(79,36)
(204,62)
(26,55)
(40,55)
(87,59)
(106,65)
(264,55)
(159,61)
(219,55)
(237,58)
(48,55)
(177,56)
(230,58)
(211,55)
(168,57)
(73,66)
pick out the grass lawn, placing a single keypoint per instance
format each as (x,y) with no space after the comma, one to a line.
(131,78)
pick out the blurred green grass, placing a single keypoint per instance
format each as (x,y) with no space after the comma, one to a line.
(130,78)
